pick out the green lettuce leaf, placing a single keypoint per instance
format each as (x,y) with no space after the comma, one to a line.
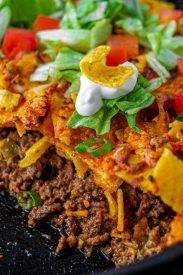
(100,33)
(157,67)
(131,119)
(68,59)
(5,18)
(69,20)
(24,12)
(80,40)
(100,122)
(97,14)
(140,98)
(114,9)
(74,78)
(168,58)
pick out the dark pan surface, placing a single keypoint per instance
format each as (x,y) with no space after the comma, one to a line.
(24,250)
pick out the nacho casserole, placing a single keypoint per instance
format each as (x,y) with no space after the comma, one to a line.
(91,117)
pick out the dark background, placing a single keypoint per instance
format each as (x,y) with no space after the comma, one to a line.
(24,250)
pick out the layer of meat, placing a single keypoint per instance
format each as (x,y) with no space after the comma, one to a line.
(78,207)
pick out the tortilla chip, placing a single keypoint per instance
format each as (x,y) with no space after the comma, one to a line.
(176,233)
(168,175)
(93,66)
(165,180)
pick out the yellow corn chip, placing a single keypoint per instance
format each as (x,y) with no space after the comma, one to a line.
(93,66)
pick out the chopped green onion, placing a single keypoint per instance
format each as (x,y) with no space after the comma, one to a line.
(86,147)
(32,201)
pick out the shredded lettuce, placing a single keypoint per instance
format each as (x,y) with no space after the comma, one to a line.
(85,7)
(100,122)
(157,67)
(140,98)
(24,12)
(5,17)
(168,58)
(69,20)
(66,65)
(41,74)
(80,40)
(137,20)
(155,83)
(114,9)
(68,59)
(100,33)
(74,78)
(95,15)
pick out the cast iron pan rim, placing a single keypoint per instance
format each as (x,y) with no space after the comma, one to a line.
(169,255)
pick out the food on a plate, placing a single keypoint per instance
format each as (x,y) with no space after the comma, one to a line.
(91,117)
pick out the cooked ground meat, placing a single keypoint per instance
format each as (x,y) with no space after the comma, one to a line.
(64,194)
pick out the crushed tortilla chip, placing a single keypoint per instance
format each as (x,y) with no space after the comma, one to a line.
(8,100)
(165,180)
(141,63)
(176,131)
(168,175)
(93,67)
(176,233)
(35,152)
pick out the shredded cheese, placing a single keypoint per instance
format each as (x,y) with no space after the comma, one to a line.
(120,202)
(112,205)
(78,213)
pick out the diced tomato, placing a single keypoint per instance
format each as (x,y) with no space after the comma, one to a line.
(46,23)
(123,48)
(179,103)
(180,65)
(166,15)
(17,41)
(116,56)
(151,74)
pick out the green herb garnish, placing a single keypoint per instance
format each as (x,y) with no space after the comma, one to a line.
(29,199)
(99,151)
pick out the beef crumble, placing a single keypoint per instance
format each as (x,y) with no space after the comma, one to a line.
(64,194)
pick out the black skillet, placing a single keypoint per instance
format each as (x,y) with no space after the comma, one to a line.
(24,250)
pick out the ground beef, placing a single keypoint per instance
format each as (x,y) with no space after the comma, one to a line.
(63,193)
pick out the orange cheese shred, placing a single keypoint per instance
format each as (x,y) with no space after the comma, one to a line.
(120,203)
(112,205)
(78,213)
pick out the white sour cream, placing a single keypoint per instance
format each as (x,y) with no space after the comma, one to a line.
(89,100)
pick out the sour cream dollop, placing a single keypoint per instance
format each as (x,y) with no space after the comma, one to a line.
(89,99)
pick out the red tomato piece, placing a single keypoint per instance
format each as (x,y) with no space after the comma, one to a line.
(166,15)
(180,65)
(151,74)
(116,56)
(179,103)
(17,41)
(123,48)
(46,23)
